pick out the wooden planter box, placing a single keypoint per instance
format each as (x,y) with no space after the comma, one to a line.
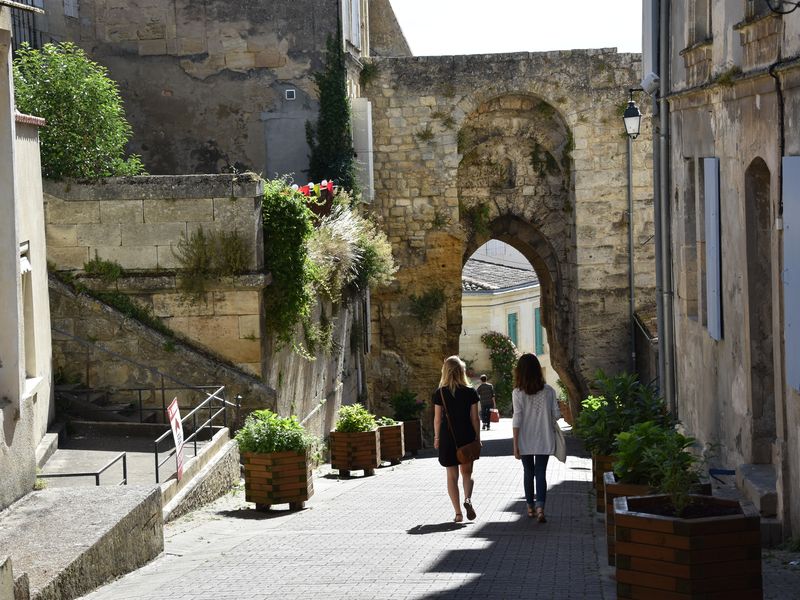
(614,489)
(670,557)
(392,447)
(277,478)
(600,465)
(412,436)
(355,451)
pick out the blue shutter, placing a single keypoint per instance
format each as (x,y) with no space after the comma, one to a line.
(512,327)
(791,270)
(537,329)
(713,253)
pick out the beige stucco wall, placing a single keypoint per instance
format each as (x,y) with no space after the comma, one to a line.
(736,120)
(484,312)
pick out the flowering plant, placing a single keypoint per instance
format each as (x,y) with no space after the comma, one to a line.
(503,354)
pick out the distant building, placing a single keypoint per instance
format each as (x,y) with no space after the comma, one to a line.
(225,85)
(25,355)
(733,192)
(501,292)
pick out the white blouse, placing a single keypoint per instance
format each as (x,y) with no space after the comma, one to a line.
(535,415)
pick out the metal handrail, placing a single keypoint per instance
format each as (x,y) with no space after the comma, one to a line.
(196,430)
(96,474)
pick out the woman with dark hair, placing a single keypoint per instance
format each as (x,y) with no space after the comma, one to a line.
(535,415)
(456,423)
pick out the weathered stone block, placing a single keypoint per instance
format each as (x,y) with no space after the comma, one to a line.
(152,47)
(249,326)
(167,258)
(175,304)
(68,258)
(171,211)
(142,234)
(61,235)
(191,45)
(72,212)
(270,59)
(237,303)
(98,235)
(240,60)
(130,257)
(122,211)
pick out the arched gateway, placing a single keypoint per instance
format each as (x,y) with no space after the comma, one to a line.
(524,148)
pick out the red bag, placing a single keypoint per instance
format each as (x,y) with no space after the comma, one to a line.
(494,415)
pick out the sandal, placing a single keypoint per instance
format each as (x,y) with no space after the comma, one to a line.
(540,515)
(531,514)
(458,518)
(470,510)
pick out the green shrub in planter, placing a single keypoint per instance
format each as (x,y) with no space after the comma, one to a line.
(406,405)
(385,421)
(265,432)
(354,418)
(275,452)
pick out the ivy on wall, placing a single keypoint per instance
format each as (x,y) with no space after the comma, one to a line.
(330,138)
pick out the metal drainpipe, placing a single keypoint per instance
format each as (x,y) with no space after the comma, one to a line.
(667,330)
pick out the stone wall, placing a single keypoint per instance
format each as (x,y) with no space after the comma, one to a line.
(385,35)
(205,84)
(139,222)
(525,148)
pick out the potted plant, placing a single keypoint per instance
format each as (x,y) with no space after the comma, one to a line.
(407,409)
(354,442)
(683,545)
(637,470)
(622,402)
(277,469)
(390,438)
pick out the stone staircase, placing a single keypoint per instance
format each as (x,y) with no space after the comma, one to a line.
(758,485)
(73,402)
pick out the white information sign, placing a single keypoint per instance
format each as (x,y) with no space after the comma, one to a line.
(174,414)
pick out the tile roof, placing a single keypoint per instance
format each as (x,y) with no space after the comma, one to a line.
(484,274)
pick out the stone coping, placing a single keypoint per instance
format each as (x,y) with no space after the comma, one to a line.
(157,187)
(168,280)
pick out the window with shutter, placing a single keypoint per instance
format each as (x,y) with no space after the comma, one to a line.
(512,327)
(537,331)
(713,252)
(791,267)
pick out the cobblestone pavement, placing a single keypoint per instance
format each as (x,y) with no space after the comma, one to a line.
(391,536)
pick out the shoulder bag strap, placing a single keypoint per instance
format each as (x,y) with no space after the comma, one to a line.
(447,416)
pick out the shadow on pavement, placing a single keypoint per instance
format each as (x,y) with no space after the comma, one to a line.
(435,528)
(251,514)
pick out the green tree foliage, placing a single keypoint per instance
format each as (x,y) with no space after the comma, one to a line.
(86,129)
(504,355)
(331,138)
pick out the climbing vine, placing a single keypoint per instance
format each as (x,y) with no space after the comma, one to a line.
(503,354)
(330,138)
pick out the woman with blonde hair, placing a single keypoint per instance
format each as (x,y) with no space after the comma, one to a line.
(456,423)
(535,414)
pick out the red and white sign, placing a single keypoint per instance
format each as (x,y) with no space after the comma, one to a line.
(174,414)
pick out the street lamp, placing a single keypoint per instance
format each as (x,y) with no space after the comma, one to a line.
(633,121)
(632,117)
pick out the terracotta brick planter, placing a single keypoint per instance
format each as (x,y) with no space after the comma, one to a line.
(392,448)
(615,489)
(412,436)
(600,465)
(355,451)
(277,478)
(670,557)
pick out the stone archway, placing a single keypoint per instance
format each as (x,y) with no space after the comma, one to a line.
(515,185)
(525,148)
(759,293)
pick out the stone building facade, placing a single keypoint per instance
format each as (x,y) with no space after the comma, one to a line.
(734,101)
(524,148)
(223,84)
(25,372)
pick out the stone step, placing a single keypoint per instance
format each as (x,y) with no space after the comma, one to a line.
(758,484)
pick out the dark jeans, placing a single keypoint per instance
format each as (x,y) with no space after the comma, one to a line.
(535,467)
(485,414)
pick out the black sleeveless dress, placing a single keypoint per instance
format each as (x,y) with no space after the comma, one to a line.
(459,408)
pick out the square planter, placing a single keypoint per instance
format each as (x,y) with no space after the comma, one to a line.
(615,489)
(355,451)
(277,478)
(601,464)
(392,447)
(412,436)
(686,558)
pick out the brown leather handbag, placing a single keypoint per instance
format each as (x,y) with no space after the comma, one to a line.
(468,452)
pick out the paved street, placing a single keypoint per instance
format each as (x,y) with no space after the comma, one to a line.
(387,536)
